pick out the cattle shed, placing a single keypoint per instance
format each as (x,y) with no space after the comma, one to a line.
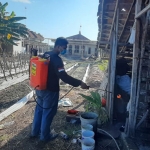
(124,32)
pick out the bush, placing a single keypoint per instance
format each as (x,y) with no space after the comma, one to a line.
(95,103)
(103,65)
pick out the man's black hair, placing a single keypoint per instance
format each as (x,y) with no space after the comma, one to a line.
(61,41)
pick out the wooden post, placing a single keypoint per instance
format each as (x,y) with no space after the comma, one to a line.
(6,67)
(3,69)
(140,64)
(131,127)
(108,85)
(13,61)
(114,43)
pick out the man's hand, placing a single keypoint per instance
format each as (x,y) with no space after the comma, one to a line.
(84,86)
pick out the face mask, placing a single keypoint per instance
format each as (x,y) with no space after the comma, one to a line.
(63,52)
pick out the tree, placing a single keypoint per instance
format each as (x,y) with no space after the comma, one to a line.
(10,29)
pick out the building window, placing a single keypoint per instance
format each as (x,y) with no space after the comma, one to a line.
(70,49)
(83,47)
(70,46)
(89,50)
(95,50)
(76,49)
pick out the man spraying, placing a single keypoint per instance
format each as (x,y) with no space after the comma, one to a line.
(49,98)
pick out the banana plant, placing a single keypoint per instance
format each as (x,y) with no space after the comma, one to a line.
(95,103)
(10,29)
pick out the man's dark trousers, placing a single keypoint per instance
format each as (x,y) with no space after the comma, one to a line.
(44,113)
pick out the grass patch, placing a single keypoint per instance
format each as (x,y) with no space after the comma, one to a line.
(103,65)
(3,137)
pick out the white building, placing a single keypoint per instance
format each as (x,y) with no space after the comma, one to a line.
(20,48)
(24,45)
(13,49)
(79,45)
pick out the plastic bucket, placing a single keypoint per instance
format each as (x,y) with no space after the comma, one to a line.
(86,127)
(88,144)
(87,134)
(89,118)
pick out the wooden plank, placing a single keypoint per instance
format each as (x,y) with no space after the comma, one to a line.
(126,20)
(113,21)
(142,12)
(120,44)
(131,128)
(123,12)
(108,86)
(113,66)
(115,3)
(103,85)
(145,29)
(101,27)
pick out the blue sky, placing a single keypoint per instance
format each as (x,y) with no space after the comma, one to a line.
(54,18)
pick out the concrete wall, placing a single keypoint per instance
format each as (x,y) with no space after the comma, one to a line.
(93,47)
(19,48)
(82,52)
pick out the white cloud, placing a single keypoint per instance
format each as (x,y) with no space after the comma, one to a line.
(22,1)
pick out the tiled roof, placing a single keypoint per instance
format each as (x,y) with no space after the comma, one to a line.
(31,35)
(78,37)
(34,35)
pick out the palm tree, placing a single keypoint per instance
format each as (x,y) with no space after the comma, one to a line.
(10,29)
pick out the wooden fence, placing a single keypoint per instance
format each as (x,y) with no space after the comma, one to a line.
(11,65)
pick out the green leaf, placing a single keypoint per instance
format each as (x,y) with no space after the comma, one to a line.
(15,39)
(97,98)
(12,14)
(9,25)
(2,8)
(9,42)
(16,25)
(16,19)
(89,98)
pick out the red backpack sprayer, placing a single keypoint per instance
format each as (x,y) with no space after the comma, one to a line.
(39,75)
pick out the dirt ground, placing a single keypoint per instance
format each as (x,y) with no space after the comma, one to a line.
(16,136)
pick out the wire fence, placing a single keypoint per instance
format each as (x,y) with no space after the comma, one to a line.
(11,65)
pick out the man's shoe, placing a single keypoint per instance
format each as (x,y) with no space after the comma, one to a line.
(51,137)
